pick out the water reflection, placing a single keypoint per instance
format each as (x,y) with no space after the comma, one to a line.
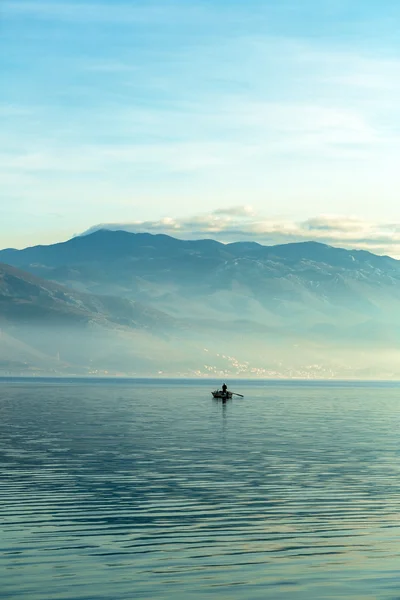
(222,405)
(139,491)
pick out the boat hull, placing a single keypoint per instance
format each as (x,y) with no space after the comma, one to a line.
(222,395)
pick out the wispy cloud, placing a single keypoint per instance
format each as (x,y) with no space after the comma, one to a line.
(97,12)
(243,223)
(237,135)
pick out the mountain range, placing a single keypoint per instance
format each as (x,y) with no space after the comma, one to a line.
(142,303)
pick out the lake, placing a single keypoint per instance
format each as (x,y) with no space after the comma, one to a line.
(153,490)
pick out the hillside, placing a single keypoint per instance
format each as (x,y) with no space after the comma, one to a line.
(302,308)
(46,326)
(27,298)
(276,285)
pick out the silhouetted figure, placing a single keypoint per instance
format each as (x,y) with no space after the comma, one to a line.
(224,388)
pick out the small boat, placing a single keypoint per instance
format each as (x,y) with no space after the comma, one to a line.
(222,395)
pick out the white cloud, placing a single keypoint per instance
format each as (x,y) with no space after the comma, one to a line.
(236,211)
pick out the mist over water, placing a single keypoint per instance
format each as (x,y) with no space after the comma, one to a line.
(154,490)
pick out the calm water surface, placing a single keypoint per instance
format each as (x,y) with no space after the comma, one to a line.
(153,490)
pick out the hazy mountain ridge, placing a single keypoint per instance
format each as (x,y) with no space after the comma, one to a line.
(108,246)
(26,297)
(174,275)
(46,327)
(261,306)
(41,321)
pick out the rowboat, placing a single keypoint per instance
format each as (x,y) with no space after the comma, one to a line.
(222,395)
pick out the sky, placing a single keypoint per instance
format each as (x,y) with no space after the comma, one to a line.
(268,120)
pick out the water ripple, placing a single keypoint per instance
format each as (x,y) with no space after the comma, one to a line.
(138,491)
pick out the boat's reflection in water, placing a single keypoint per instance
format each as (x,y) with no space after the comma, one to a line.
(223,402)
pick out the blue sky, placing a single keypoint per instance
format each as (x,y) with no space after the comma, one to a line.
(169,114)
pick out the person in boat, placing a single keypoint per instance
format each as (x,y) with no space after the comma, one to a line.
(224,388)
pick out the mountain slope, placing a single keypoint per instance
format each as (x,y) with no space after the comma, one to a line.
(276,285)
(143,303)
(104,246)
(44,325)
(27,298)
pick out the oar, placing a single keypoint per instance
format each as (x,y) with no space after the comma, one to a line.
(235,394)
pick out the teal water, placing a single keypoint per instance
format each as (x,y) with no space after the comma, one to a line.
(152,490)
